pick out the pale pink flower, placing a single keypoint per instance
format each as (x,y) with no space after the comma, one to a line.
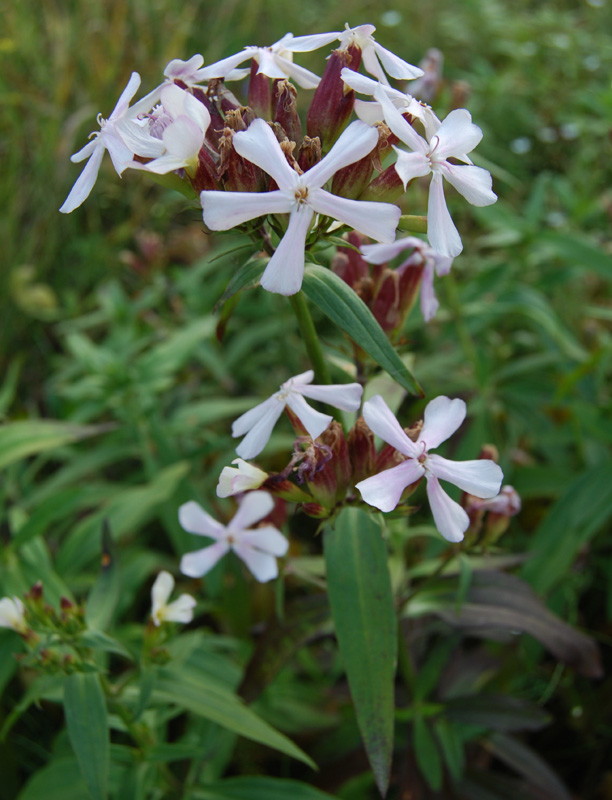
(258,423)
(180,610)
(257,547)
(239,479)
(434,264)
(376,59)
(300,196)
(456,136)
(507,503)
(442,417)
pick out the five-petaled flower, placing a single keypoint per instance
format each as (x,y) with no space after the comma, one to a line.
(301,196)
(257,547)
(180,610)
(258,423)
(12,614)
(442,417)
(456,136)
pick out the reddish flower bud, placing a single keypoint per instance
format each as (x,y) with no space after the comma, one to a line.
(349,264)
(362,451)
(285,110)
(386,187)
(260,98)
(206,172)
(410,277)
(237,173)
(333,437)
(310,153)
(333,101)
(385,305)
(352,181)
(315,510)
(210,100)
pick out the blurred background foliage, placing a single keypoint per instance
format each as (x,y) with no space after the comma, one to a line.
(107,318)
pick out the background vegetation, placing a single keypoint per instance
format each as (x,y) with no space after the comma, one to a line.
(107,319)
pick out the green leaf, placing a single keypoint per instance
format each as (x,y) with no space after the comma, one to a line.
(86,720)
(59,780)
(496,711)
(104,594)
(344,307)
(244,278)
(529,764)
(25,438)
(260,788)
(361,599)
(452,747)
(207,699)
(427,754)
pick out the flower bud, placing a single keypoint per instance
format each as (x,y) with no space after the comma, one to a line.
(285,110)
(333,100)
(410,277)
(386,187)
(310,153)
(235,480)
(205,177)
(351,181)
(237,173)
(349,264)
(315,510)
(259,95)
(211,100)
(362,451)
(333,437)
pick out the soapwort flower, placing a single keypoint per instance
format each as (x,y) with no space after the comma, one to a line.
(12,614)
(180,610)
(235,480)
(456,136)
(434,264)
(258,423)
(442,417)
(301,196)
(257,547)
(107,138)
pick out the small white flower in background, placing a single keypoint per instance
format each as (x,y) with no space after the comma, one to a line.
(376,59)
(108,138)
(507,503)
(456,136)
(180,610)
(12,614)
(275,61)
(235,480)
(300,196)
(372,112)
(258,423)
(435,264)
(442,417)
(172,135)
(257,547)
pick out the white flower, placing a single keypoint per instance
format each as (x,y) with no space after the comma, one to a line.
(172,135)
(235,480)
(258,423)
(376,58)
(275,61)
(434,264)
(507,503)
(257,547)
(481,477)
(108,138)
(12,614)
(185,71)
(456,136)
(301,196)
(180,610)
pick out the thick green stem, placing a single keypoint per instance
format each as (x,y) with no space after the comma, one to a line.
(309,334)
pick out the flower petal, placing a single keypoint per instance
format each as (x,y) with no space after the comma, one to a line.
(285,270)
(480,477)
(202,561)
(86,151)
(161,591)
(269,64)
(429,301)
(267,539)
(346,396)
(441,231)
(303,77)
(194,519)
(377,220)
(234,480)
(399,125)
(354,143)
(259,145)
(222,68)
(382,422)
(12,612)
(442,418)
(250,418)
(457,135)
(183,70)
(262,565)
(474,183)
(314,422)
(382,253)
(126,96)
(225,210)
(384,490)
(450,519)
(411,165)
(253,507)
(181,610)
(396,66)
(86,180)
(257,438)
(305,44)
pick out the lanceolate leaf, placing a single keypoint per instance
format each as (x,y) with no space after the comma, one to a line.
(259,787)
(27,437)
(344,307)
(244,278)
(86,720)
(361,599)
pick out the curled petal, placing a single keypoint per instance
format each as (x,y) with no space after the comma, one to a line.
(480,477)
(253,507)
(441,231)
(225,210)
(451,520)
(194,519)
(382,422)
(384,490)
(377,220)
(346,396)
(259,145)
(442,418)
(354,143)
(474,183)
(285,270)
(183,70)
(314,422)
(202,561)
(235,480)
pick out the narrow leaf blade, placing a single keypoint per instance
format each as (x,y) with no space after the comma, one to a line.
(86,720)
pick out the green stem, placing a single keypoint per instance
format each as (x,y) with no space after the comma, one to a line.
(309,334)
